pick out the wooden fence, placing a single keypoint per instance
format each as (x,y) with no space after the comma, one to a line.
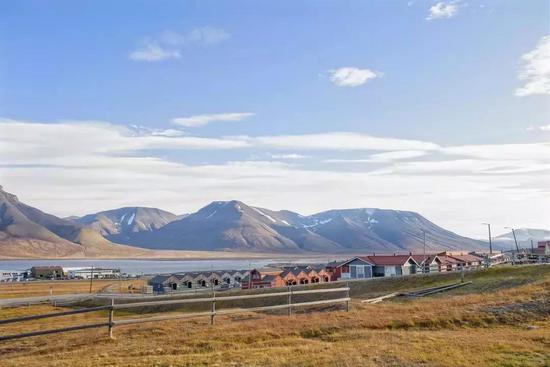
(110,323)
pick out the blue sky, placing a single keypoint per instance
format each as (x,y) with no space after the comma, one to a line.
(436,106)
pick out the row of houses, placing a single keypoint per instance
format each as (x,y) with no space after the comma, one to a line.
(168,283)
(358,267)
(397,265)
(362,267)
(293,275)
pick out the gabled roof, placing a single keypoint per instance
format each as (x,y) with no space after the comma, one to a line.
(390,259)
(466,258)
(159,279)
(362,258)
(420,259)
(447,260)
(269,278)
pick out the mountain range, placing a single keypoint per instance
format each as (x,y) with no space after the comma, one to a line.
(233,225)
(524,236)
(118,225)
(28,232)
(221,226)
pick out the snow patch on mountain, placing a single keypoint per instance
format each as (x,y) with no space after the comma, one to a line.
(265,215)
(131,219)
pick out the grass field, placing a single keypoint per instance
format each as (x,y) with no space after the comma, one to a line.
(502,319)
(42,288)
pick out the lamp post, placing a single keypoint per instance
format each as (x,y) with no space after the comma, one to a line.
(490,239)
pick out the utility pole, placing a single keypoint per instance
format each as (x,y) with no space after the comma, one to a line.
(490,239)
(91,278)
(515,239)
(532,248)
(424,260)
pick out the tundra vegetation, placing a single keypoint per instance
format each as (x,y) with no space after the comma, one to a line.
(501,319)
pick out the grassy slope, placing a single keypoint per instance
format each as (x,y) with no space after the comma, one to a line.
(482,324)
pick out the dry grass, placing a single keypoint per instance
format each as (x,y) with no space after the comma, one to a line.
(42,288)
(503,320)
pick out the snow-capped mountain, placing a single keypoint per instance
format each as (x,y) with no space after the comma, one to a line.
(118,224)
(233,225)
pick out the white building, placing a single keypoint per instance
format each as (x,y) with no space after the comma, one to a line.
(12,276)
(97,273)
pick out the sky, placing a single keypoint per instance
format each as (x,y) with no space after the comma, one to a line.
(439,107)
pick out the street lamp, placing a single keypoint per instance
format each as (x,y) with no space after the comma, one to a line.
(490,240)
(515,239)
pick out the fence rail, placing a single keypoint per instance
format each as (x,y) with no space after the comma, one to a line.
(111,322)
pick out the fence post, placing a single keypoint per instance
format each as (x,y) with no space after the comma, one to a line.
(111,318)
(213,308)
(462,273)
(290,301)
(347,295)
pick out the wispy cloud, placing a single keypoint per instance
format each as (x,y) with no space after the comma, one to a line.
(170,44)
(201,120)
(539,128)
(111,166)
(442,10)
(288,156)
(151,51)
(351,76)
(535,71)
(344,141)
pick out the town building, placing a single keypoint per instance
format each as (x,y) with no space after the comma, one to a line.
(12,276)
(47,272)
(96,273)
(540,254)
(427,263)
(361,267)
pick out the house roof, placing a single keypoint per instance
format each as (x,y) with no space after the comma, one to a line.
(388,259)
(362,258)
(269,278)
(447,260)
(466,258)
(159,279)
(420,259)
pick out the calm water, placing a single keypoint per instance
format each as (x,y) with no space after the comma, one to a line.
(150,266)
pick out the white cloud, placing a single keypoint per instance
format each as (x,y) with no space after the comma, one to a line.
(170,45)
(503,152)
(351,76)
(385,157)
(535,71)
(398,155)
(540,128)
(76,168)
(201,120)
(442,10)
(288,156)
(344,141)
(153,52)
(59,143)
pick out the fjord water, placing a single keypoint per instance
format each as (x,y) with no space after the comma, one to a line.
(136,267)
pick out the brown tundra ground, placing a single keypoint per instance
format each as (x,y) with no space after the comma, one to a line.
(502,319)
